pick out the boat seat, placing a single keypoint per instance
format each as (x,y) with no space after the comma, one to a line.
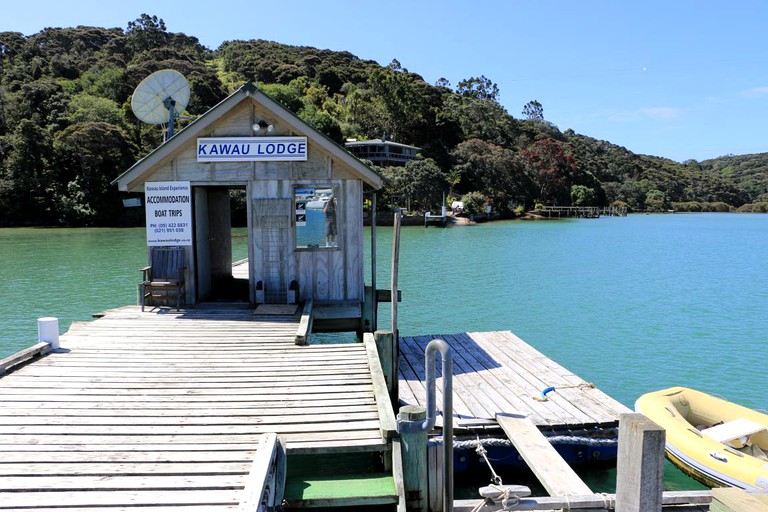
(739,429)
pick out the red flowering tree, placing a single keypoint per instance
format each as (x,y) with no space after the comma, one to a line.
(552,167)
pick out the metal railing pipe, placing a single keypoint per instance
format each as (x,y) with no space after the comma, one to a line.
(412,426)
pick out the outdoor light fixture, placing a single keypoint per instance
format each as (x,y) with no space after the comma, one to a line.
(261,125)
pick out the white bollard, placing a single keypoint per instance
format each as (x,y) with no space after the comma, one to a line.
(48,331)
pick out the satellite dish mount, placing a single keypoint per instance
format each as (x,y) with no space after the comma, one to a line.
(170,103)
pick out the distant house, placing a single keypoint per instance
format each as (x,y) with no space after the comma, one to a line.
(383,152)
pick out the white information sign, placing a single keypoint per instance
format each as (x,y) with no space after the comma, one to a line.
(251,149)
(169,213)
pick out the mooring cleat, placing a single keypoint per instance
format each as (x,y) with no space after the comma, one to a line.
(507,495)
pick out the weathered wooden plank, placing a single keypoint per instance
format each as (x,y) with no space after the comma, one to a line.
(102,430)
(119,482)
(49,468)
(553,472)
(36,350)
(134,498)
(221,422)
(166,384)
(298,409)
(114,458)
(304,331)
(175,399)
(385,412)
(214,408)
(260,477)
(730,499)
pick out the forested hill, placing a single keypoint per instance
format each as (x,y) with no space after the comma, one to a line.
(67,130)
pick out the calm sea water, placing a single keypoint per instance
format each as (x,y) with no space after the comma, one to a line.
(632,304)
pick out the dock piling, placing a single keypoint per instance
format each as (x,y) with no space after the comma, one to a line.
(414,450)
(640,464)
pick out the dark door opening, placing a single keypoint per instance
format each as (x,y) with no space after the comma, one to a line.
(217,279)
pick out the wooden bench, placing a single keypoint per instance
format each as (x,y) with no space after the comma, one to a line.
(164,275)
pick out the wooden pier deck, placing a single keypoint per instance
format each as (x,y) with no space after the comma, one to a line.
(163,410)
(498,373)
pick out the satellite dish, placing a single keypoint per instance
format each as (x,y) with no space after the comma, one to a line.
(160,97)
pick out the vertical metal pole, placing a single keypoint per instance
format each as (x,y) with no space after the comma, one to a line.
(170,104)
(375,305)
(393,288)
(447,367)
(407,425)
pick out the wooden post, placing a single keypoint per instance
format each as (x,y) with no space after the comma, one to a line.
(414,449)
(640,465)
(374,303)
(384,340)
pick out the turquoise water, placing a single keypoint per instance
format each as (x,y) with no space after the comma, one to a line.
(632,304)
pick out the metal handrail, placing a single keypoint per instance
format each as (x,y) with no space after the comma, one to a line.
(425,426)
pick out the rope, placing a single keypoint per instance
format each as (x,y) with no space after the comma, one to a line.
(543,397)
(609,501)
(482,504)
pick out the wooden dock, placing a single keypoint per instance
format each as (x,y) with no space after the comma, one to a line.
(585,212)
(164,409)
(498,373)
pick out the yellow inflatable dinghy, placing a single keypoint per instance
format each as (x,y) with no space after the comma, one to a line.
(717,442)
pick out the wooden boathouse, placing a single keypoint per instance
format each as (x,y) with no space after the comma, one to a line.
(287,169)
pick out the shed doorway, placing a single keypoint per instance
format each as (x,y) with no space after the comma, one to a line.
(217,279)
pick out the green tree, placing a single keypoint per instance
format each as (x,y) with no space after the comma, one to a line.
(284,94)
(583,196)
(29,179)
(93,154)
(656,201)
(425,183)
(491,170)
(86,107)
(481,88)
(145,33)
(533,111)
(322,121)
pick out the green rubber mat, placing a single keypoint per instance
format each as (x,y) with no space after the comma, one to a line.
(375,488)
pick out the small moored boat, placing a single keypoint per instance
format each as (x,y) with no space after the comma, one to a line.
(717,442)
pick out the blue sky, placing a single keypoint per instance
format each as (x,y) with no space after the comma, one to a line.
(678,79)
